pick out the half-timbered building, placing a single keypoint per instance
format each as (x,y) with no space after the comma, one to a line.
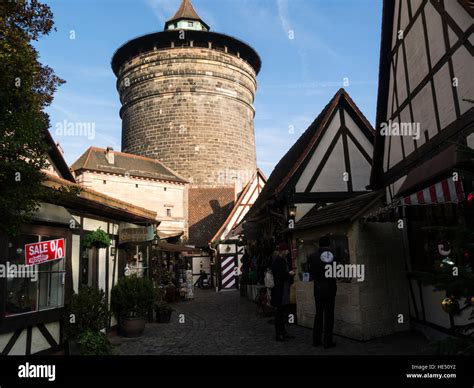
(330,162)
(32,307)
(228,238)
(425,119)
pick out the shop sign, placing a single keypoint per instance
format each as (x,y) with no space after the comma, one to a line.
(136,235)
(45,251)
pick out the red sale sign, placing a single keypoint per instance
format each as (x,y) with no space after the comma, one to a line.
(42,252)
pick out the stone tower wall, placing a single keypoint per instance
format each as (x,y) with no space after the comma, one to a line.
(192,109)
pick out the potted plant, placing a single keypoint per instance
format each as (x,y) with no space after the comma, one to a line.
(93,343)
(163,312)
(86,312)
(97,239)
(131,300)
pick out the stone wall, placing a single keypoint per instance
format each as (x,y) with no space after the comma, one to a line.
(192,109)
(368,309)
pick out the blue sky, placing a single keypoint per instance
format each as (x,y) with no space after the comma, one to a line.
(333,40)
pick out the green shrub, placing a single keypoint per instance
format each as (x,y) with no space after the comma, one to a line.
(97,238)
(132,297)
(92,343)
(87,311)
(163,308)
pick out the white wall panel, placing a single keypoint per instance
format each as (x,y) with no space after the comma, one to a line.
(318,154)
(417,60)
(463,64)
(444,96)
(331,177)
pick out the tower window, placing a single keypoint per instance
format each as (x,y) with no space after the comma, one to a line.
(136,186)
(104,182)
(190,24)
(168,212)
(164,188)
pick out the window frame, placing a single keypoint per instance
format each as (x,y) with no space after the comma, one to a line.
(14,322)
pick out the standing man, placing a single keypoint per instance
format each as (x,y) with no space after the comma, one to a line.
(282,277)
(324,293)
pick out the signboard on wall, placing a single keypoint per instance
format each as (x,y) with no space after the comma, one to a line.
(136,235)
(45,251)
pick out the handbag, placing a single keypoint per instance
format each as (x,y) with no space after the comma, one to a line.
(269,280)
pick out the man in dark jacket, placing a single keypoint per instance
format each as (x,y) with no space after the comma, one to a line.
(324,293)
(282,278)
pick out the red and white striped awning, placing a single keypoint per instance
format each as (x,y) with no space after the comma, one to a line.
(446,191)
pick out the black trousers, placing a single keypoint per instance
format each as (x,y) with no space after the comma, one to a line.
(324,312)
(281,316)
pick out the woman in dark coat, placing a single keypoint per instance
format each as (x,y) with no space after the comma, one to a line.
(282,278)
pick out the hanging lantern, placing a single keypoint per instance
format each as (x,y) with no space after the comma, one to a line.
(450,306)
(470,199)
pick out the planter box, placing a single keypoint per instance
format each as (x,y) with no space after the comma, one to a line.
(133,327)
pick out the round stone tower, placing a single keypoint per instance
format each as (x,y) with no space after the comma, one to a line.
(187,99)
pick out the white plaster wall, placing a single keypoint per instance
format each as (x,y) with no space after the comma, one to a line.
(75,260)
(417,60)
(318,154)
(332,175)
(91,224)
(463,64)
(149,194)
(442,81)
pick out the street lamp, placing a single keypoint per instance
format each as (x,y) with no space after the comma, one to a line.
(292,211)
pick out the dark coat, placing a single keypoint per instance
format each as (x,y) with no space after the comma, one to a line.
(323,287)
(281,277)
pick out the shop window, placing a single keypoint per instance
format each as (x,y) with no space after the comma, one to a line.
(137,261)
(433,231)
(34,288)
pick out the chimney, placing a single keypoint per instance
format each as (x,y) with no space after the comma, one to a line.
(109,155)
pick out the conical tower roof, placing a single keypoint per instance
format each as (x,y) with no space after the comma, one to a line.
(185,12)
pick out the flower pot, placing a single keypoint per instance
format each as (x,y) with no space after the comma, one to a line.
(133,327)
(163,317)
(73,348)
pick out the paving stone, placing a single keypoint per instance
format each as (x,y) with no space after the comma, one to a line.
(227,324)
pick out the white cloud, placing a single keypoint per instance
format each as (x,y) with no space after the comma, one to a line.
(163,9)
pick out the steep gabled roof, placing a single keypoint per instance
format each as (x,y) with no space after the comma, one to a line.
(57,158)
(185,11)
(383,90)
(239,203)
(301,150)
(99,203)
(94,159)
(209,207)
(347,210)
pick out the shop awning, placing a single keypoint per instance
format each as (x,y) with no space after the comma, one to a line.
(446,191)
(164,246)
(164,235)
(55,214)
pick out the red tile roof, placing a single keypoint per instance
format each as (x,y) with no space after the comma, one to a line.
(208,210)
